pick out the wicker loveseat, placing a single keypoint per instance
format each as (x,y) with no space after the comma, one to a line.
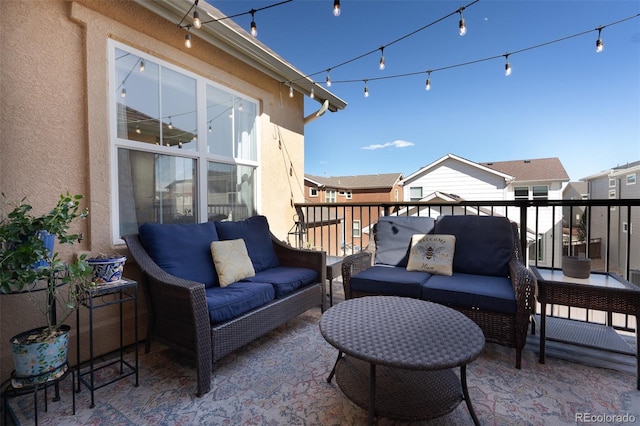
(489,281)
(192,312)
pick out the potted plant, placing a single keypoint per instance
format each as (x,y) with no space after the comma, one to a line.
(29,266)
(107,268)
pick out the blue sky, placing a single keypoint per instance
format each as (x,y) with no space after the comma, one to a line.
(562,100)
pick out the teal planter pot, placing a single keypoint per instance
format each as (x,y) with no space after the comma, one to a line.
(37,362)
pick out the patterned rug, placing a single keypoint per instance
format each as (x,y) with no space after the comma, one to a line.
(280,379)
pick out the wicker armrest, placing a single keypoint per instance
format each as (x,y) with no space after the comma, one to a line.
(179,313)
(352,265)
(301,258)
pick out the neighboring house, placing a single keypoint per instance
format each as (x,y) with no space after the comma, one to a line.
(102,98)
(348,223)
(453,178)
(617,183)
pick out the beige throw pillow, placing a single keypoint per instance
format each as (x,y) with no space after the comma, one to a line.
(432,253)
(232,261)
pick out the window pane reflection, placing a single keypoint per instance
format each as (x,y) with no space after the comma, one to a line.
(155,188)
(230,191)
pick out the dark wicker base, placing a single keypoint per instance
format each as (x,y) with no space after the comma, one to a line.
(400,394)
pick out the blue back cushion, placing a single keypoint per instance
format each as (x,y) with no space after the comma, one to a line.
(393,237)
(255,233)
(182,249)
(483,243)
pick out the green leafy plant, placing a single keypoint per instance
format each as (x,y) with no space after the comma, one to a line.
(22,248)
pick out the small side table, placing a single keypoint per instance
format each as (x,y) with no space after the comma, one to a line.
(334,270)
(100,296)
(11,392)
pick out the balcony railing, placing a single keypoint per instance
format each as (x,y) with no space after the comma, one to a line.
(549,229)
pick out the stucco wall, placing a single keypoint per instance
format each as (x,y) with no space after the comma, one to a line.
(54,125)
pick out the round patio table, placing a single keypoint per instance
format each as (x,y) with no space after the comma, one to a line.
(411,347)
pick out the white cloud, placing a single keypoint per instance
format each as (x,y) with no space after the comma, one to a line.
(394,144)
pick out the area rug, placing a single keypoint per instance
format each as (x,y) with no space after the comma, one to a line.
(280,379)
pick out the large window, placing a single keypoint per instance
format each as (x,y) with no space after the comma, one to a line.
(330,196)
(415,193)
(186,148)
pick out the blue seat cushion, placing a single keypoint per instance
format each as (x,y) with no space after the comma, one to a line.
(393,237)
(256,235)
(483,243)
(225,303)
(390,280)
(487,293)
(285,279)
(182,249)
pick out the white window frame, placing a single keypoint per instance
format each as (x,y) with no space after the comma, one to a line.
(313,192)
(521,197)
(539,197)
(612,182)
(612,194)
(415,188)
(631,179)
(199,155)
(356,230)
(330,196)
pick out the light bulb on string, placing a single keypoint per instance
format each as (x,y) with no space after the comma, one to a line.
(210,128)
(313,93)
(599,43)
(328,80)
(123,92)
(427,85)
(141,65)
(507,66)
(462,27)
(336,8)
(382,65)
(196,20)
(254,28)
(290,90)
(138,131)
(187,40)
(366,89)
(170,126)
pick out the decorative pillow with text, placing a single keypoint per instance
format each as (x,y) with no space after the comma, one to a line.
(432,253)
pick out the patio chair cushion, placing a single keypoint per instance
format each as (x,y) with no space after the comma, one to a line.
(232,261)
(193,259)
(432,253)
(225,303)
(483,243)
(393,237)
(486,293)
(257,237)
(285,279)
(391,280)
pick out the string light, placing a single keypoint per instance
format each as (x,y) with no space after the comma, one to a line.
(196,19)
(187,40)
(382,65)
(328,80)
(138,131)
(599,43)
(290,90)
(141,65)
(254,28)
(507,66)
(312,95)
(170,123)
(123,92)
(366,89)
(427,85)
(336,8)
(462,27)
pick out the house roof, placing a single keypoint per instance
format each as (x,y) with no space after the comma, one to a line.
(536,169)
(228,36)
(384,180)
(439,161)
(615,171)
